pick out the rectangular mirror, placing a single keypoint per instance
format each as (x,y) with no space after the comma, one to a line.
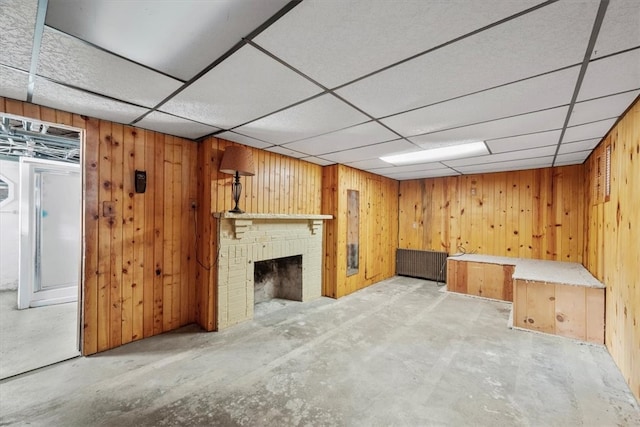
(353,234)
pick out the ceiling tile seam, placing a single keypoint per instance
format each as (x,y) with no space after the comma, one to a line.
(487,147)
(602,9)
(358,148)
(620,52)
(623,114)
(327,133)
(502,161)
(129,60)
(290,149)
(491,120)
(323,87)
(488,156)
(35,50)
(522,134)
(347,149)
(101,95)
(593,121)
(479,91)
(231,129)
(374,119)
(447,43)
(595,98)
(224,56)
(19,70)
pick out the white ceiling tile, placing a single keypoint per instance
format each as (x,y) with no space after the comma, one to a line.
(573,158)
(420,174)
(539,162)
(503,157)
(550,90)
(512,126)
(68,60)
(352,137)
(620,29)
(180,38)
(17,24)
(522,142)
(611,75)
(369,164)
(371,151)
(601,108)
(243,139)
(245,86)
(318,161)
(63,98)
(14,83)
(172,125)
(588,131)
(572,147)
(502,54)
(286,151)
(423,167)
(323,114)
(366,35)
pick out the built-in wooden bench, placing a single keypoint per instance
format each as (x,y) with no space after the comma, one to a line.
(555,297)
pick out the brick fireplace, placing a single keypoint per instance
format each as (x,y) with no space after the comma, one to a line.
(245,239)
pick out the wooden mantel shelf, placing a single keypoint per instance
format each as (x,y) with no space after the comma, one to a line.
(241,222)
(229,215)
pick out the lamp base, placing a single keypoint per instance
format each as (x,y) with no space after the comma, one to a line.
(236,210)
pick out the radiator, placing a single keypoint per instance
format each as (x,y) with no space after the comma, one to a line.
(429,265)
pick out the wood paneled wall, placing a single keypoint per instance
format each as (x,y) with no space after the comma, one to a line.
(613,242)
(529,214)
(139,266)
(378,228)
(281,185)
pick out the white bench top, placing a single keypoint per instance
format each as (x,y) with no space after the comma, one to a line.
(566,273)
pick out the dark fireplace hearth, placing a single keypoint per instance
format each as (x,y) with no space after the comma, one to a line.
(278,278)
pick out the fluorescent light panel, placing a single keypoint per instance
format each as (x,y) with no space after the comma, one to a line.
(449,152)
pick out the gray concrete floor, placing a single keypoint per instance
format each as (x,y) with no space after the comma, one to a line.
(397,353)
(35,337)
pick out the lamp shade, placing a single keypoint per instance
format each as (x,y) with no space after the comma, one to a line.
(237,159)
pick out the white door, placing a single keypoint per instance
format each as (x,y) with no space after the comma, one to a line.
(50,208)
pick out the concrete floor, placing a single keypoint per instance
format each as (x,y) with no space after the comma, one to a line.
(397,353)
(35,337)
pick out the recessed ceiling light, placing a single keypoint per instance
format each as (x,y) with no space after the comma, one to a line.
(449,152)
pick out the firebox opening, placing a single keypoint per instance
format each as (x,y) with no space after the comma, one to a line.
(277,279)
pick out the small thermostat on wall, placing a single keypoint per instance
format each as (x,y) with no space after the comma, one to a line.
(141,181)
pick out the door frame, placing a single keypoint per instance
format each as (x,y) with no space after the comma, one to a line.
(29,240)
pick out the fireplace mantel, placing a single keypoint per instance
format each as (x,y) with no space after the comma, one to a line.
(241,222)
(247,238)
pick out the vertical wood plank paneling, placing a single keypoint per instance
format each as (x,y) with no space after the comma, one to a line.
(149,234)
(104,237)
(139,214)
(159,234)
(124,230)
(128,281)
(531,214)
(612,251)
(168,242)
(378,205)
(116,244)
(91,158)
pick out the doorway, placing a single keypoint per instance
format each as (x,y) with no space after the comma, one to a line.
(40,223)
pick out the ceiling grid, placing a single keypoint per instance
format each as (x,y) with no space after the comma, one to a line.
(329,81)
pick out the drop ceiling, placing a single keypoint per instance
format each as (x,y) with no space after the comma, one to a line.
(339,81)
